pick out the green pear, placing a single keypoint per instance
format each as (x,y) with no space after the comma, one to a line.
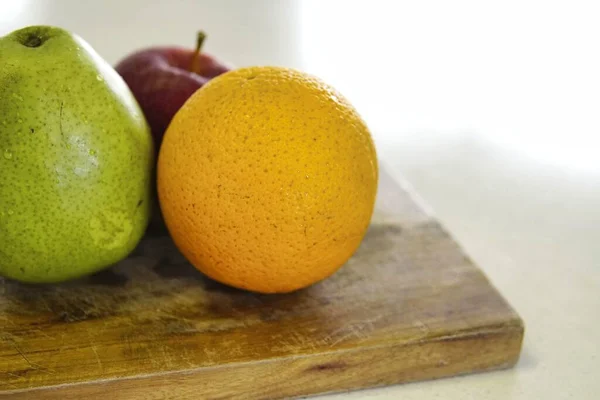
(76,159)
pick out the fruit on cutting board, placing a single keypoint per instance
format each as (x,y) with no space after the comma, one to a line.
(267,179)
(76,159)
(163,78)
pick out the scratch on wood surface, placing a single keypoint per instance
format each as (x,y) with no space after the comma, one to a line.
(10,385)
(32,365)
(358,330)
(166,356)
(62,342)
(235,351)
(297,342)
(10,374)
(43,304)
(41,332)
(293,342)
(211,355)
(184,355)
(423,327)
(6,321)
(128,341)
(258,298)
(102,329)
(150,356)
(16,346)
(93,347)
(301,340)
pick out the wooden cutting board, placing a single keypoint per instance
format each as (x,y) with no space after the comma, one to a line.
(408,306)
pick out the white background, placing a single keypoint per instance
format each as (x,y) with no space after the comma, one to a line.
(491,110)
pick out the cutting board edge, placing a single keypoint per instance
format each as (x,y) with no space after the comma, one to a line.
(330,370)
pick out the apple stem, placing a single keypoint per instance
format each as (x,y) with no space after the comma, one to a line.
(199,41)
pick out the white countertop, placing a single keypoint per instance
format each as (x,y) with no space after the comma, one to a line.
(489,111)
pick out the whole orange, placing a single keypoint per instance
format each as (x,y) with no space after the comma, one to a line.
(267,179)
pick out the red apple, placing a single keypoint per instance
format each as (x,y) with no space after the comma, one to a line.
(163,78)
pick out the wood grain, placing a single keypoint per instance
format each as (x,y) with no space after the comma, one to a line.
(408,306)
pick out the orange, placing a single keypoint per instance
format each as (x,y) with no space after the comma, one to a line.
(267,179)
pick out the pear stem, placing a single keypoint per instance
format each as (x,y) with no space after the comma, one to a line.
(199,41)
